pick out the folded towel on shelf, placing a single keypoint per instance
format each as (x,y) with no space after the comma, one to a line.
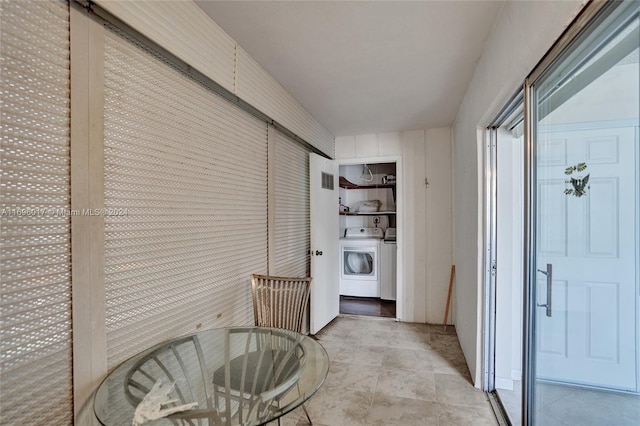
(367,206)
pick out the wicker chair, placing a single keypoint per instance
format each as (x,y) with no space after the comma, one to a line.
(280,302)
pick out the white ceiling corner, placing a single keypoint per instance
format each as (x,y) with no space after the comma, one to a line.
(365,66)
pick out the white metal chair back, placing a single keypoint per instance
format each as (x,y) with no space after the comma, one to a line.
(260,368)
(180,362)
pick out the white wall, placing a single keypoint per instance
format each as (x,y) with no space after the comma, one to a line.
(439,220)
(522,33)
(424,234)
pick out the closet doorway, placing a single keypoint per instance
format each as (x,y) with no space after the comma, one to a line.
(367,231)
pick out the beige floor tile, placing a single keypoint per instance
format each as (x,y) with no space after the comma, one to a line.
(364,337)
(547,394)
(334,334)
(362,355)
(354,377)
(381,324)
(454,363)
(412,327)
(440,329)
(393,411)
(409,340)
(291,419)
(390,373)
(591,408)
(408,359)
(569,405)
(624,404)
(333,348)
(339,407)
(362,323)
(455,415)
(445,343)
(407,384)
(455,390)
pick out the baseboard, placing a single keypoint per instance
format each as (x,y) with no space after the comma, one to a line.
(503,383)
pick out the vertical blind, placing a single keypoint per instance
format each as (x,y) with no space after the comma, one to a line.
(291,207)
(186,181)
(35,296)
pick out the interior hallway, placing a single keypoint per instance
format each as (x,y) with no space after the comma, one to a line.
(389,373)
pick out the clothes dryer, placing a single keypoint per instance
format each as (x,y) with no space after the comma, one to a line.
(360,262)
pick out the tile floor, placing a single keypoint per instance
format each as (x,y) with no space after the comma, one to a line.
(570,405)
(389,373)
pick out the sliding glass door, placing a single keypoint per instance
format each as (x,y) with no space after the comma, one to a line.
(583,274)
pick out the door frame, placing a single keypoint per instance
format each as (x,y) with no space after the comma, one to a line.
(490,252)
(490,235)
(400,284)
(592,14)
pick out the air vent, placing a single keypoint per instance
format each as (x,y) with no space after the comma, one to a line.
(327,181)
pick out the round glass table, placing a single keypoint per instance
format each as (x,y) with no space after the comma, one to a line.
(233,376)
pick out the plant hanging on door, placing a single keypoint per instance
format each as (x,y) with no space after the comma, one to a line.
(579,183)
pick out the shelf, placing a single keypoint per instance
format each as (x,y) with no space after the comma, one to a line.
(387,213)
(372,186)
(344,183)
(348,185)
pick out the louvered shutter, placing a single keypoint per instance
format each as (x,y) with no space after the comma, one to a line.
(35,296)
(291,223)
(183,29)
(188,171)
(260,89)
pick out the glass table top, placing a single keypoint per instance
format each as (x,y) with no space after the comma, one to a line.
(234,376)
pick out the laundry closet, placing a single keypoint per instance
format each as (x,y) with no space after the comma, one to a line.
(368,250)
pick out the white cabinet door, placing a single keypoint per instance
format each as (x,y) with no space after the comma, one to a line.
(325,289)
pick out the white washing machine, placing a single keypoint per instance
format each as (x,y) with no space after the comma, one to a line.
(360,262)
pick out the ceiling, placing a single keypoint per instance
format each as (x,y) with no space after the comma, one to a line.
(365,66)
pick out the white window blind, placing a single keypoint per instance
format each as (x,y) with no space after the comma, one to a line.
(291,204)
(189,172)
(35,296)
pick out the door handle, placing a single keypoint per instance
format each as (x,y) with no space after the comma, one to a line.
(549,274)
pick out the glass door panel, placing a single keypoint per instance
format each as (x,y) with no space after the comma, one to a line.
(586,230)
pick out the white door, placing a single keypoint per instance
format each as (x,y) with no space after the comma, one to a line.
(590,240)
(325,289)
